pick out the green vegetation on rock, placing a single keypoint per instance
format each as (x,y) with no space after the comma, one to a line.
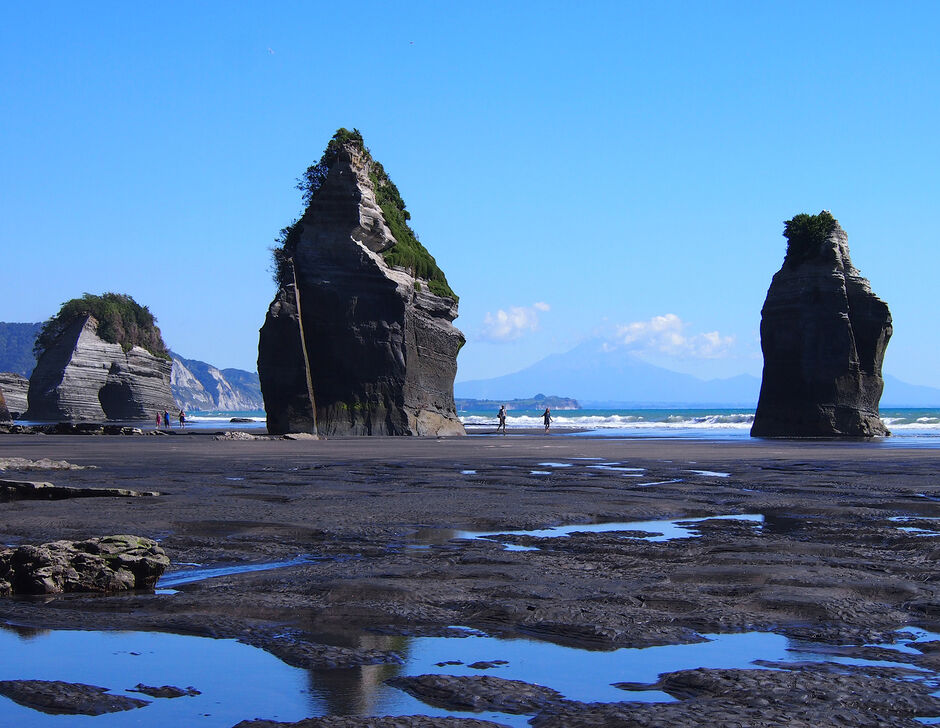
(408,252)
(806,234)
(121,320)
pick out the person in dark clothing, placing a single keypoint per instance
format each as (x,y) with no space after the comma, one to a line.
(547,418)
(502,419)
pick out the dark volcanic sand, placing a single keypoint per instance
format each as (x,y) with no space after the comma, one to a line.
(828,564)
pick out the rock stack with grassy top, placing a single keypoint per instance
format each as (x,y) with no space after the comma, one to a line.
(823,335)
(359,339)
(100,358)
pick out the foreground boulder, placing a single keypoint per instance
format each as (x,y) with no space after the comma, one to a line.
(108,564)
(823,335)
(358,339)
(101,357)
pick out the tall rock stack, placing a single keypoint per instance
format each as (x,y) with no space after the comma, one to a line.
(823,336)
(359,339)
(82,376)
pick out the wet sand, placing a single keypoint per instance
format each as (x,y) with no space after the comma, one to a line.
(833,561)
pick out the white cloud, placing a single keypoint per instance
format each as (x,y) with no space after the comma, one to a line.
(667,335)
(512,324)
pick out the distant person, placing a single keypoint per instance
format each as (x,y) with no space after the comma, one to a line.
(182,419)
(547,418)
(166,419)
(502,419)
(159,420)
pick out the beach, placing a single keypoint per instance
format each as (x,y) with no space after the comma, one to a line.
(361,560)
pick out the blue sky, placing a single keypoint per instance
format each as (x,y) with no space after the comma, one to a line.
(598,169)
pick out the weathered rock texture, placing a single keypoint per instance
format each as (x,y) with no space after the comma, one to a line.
(823,335)
(13,388)
(107,564)
(381,348)
(83,377)
(5,417)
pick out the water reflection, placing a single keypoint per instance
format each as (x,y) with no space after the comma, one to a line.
(239,682)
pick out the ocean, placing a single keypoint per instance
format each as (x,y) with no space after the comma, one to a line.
(914,426)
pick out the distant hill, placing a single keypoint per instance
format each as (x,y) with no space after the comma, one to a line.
(539,401)
(16,347)
(200,386)
(900,394)
(597,376)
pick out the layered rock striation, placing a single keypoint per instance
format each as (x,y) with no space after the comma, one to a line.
(823,336)
(359,339)
(14,388)
(80,376)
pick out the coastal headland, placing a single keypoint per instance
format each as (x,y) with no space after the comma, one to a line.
(834,548)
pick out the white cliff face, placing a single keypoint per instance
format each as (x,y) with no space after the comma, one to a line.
(83,377)
(200,386)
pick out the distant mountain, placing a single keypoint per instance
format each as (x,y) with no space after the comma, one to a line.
(600,377)
(596,375)
(16,347)
(901,394)
(197,385)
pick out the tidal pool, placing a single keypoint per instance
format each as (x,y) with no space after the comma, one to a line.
(240,682)
(667,529)
(187,576)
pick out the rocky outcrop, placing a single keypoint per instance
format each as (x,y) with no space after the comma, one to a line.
(197,385)
(5,416)
(823,335)
(32,490)
(108,564)
(62,698)
(354,345)
(82,377)
(13,388)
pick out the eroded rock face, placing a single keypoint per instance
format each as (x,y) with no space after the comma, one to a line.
(5,417)
(82,377)
(381,348)
(107,564)
(823,336)
(13,389)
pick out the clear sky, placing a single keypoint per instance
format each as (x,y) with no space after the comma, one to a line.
(588,169)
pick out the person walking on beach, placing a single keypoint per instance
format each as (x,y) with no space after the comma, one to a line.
(502,419)
(166,419)
(182,418)
(547,418)
(159,420)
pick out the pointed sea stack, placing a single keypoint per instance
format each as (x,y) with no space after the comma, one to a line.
(359,339)
(100,357)
(823,335)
